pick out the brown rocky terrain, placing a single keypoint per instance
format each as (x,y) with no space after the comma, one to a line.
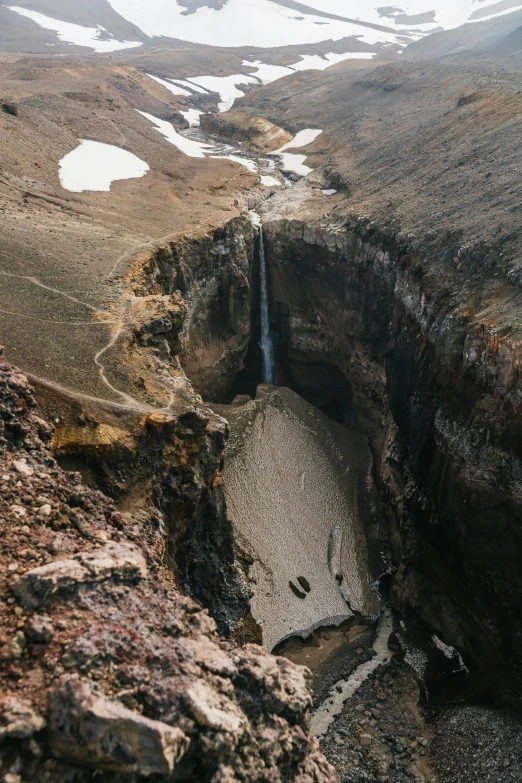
(106,669)
(394,308)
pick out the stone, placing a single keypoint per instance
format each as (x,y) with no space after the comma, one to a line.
(39,630)
(210,656)
(23,468)
(44,511)
(365,740)
(214,710)
(9,107)
(17,646)
(18,720)
(113,561)
(89,729)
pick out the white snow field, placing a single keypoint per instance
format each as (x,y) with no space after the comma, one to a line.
(226,86)
(261,23)
(94,166)
(445,14)
(75,33)
(267,24)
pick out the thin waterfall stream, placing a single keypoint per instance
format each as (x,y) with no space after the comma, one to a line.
(267,347)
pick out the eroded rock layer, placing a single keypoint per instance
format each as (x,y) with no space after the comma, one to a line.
(427,345)
(105,669)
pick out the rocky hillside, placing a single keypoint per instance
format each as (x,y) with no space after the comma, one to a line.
(104,667)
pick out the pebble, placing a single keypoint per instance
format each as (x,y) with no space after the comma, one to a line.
(23,468)
(365,740)
(45,510)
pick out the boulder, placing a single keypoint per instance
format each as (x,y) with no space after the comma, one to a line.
(10,108)
(121,562)
(91,730)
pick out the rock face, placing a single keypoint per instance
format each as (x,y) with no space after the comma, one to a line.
(255,133)
(212,274)
(429,352)
(130,676)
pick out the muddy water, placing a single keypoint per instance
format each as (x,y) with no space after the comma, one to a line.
(301,499)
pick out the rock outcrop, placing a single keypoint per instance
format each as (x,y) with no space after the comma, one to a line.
(116,673)
(255,133)
(210,276)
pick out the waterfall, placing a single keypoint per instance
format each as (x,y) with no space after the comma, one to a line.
(267,348)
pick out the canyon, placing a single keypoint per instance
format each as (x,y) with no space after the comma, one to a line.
(260,417)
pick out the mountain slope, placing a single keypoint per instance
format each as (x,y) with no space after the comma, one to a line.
(107,25)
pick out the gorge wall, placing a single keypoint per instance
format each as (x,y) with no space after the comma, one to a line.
(430,367)
(190,301)
(412,346)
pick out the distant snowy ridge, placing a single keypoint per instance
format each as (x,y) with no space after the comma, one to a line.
(269,23)
(261,23)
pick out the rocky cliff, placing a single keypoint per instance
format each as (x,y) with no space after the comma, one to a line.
(425,349)
(105,668)
(212,273)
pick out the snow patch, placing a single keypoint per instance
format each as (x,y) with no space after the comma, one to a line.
(295,163)
(192,117)
(246,162)
(194,149)
(95,166)
(193,87)
(269,181)
(75,33)
(226,86)
(316,62)
(169,85)
(302,139)
(447,14)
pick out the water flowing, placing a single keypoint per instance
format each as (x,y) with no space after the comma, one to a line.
(267,347)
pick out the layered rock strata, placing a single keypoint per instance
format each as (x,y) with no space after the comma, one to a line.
(428,346)
(105,669)
(212,274)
